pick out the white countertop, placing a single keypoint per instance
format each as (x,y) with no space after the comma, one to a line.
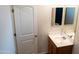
(59,41)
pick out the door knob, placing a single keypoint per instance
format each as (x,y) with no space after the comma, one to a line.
(36,36)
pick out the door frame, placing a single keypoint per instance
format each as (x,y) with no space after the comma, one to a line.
(35,22)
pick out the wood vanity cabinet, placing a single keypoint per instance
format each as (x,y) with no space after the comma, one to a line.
(53,49)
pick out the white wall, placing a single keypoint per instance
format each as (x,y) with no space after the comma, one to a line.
(6,32)
(44,23)
(76,42)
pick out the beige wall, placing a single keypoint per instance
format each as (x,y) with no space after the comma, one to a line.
(76,42)
(44,26)
(44,23)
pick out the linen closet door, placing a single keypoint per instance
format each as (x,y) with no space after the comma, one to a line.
(26,30)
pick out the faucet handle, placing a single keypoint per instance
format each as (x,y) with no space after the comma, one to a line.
(70,36)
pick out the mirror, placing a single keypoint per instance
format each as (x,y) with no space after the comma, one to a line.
(58,16)
(63,16)
(69,16)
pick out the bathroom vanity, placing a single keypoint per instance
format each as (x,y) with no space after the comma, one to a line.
(59,44)
(61,36)
(63,27)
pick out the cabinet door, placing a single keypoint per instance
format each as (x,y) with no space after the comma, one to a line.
(49,46)
(65,50)
(54,48)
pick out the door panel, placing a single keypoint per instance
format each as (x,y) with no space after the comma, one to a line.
(29,44)
(24,23)
(26,16)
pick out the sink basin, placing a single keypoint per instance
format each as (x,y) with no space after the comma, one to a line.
(60,40)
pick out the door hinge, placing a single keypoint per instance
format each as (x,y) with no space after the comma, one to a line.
(14,34)
(12,10)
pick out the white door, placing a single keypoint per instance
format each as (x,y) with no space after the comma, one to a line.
(26,29)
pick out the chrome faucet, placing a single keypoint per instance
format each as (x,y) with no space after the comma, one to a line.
(70,36)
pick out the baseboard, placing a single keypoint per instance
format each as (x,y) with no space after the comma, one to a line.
(10,52)
(7,52)
(43,53)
